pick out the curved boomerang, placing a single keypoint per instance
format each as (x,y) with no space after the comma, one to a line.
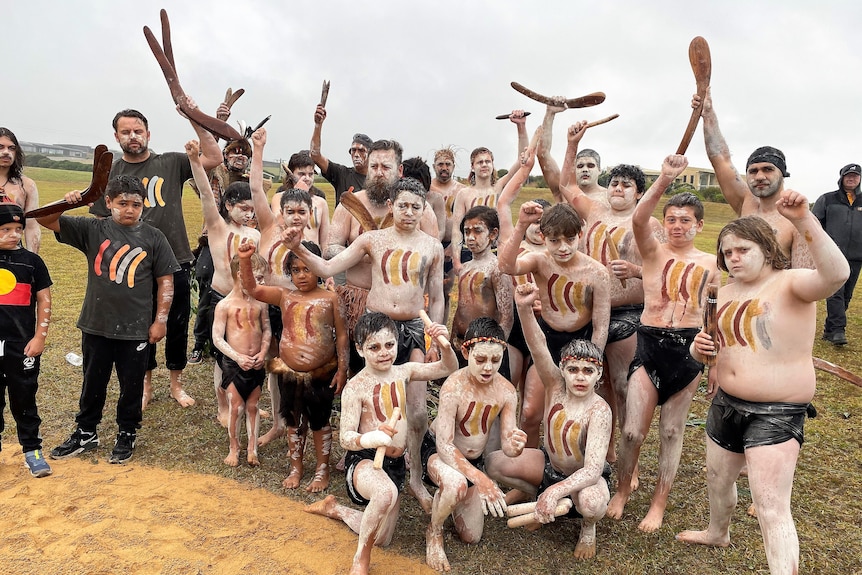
(102,160)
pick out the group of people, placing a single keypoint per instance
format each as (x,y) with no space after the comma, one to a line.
(588,289)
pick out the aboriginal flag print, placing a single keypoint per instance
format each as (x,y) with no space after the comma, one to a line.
(13,292)
(118,263)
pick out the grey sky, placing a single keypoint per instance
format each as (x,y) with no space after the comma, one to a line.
(784,73)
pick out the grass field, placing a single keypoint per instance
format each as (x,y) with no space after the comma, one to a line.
(826,502)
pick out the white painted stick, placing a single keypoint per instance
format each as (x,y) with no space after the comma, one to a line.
(381,451)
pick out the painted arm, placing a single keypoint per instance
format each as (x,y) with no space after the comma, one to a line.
(267,294)
(339,232)
(32,231)
(458,211)
(342,346)
(503,294)
(733,187)
(220,318)
(601,314)
(549,371)
(507,255)
(514,185)
(164,297)
(570,190)
(343,261)
(211,153)
(316,155)
(36,346)
(262,211)
(516,117)
(831,267)
(647,243)
(512,439)
(435,287)
(445,366)
(212,218)
(550,169)
(323,230)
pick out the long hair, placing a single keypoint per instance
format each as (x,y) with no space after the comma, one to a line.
(757,230)
(17,169)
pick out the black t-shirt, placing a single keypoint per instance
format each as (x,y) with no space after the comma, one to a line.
(22,275)
(342,178)
(163,176)
(123,263)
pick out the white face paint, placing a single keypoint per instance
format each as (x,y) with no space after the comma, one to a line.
(581,377)
(744,259)
(407,210)
(241,213)
(477,236)
(237,161)
(305,174)
(126,209)
(295,214)
(680,225)
(562,249)
(587,170)
(622,193)
(380,350)
(483,165)
(10,235)
(764,179)
(534,234)
(132,135)
(443,168)
(483,361)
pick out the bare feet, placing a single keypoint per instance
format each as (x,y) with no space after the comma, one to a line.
(183,398)
(704,538)
(752,510)
(420,492)
(274,433)
(264,414)
(586,547)
(148,397)
(321,479)
(358,568)
(515,496)
(252,459)
(653,520)
(340,465)
(223,417)
(232,458)
(325,507)
(293,478)
(435,556)
(616,505)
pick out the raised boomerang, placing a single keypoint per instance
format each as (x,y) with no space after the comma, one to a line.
(102,160)
(581,102)
(165,58)
(701,65)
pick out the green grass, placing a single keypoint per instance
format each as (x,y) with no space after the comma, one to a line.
(826,502)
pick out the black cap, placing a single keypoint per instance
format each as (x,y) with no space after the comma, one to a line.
(11,214)
(851,169)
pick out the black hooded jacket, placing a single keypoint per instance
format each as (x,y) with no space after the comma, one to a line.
(842,221)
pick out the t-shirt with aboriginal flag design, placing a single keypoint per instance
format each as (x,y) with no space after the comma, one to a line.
(123,263)
(22,275)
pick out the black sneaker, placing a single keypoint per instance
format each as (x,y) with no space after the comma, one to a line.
(123,448)
(196,356)
(836,338)
(79,442)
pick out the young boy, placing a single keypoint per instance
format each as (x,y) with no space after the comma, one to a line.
(241,333)
(25,312)
(125,258)
(578,420)
(574,290)
(366,405)
(313,362)
(471,399)
(406,263)
(482,290)
(227,227)
(675,275)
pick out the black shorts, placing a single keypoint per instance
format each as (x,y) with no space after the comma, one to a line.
(429,448)
(735,424)
(664,355)
(625,321)
(557,340)
(411,335)
(244,381)
(307,397)
(551,476)
(395,468)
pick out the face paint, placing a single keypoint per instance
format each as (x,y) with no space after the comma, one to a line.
(483,361)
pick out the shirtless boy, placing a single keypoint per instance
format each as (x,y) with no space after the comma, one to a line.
(366,405)
(574,290)
(445,184)
(609,227)
(572,461)
(241,333)
(760,192)
(313,366)
(484,187)
(301,166)
(483,291)
(675,275)
(767,380)
(405,264)
(227,228)
(471,399)
(18,188)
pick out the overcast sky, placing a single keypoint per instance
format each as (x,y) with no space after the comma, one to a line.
(784,73)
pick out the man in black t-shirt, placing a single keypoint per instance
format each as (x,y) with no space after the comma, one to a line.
(341,177)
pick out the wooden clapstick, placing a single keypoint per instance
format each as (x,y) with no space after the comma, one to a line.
(602,121)
(526,517)
(614,252)
(381,451)
(427,320)
(710,325)
(324,93)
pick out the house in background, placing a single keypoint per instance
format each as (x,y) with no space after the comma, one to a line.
(62,150)
(697,178)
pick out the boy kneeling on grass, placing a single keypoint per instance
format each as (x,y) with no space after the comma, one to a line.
(125,257)
(25,311)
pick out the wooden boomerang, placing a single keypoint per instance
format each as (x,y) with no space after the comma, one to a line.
(701,65)
(324,93)
(165,58)
(581,102)
(358,210)
(837,371)
(102,160)
(381,451)
(230,97)
(507,116)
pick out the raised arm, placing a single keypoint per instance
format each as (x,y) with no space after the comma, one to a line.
(52,221)
(266,294)
(507,254)
(208,147)
(831,267)
(516,117)
(262,211)
(549,372)
(733,187)
(316,154)
(212,218)
(343,261)
(446,365)
(569,189)
(647,243)
(550,169)
(514,185)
